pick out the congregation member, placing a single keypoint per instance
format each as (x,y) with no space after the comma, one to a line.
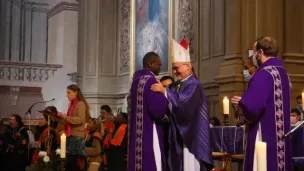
(3,142)
(147,110)
(295,117)
(16,155)
(214,121)
(166,81)
(93,143)
(299,102)
(265,108)
(300,105)
(41,133)
(189,139)
(42,130)
(117,157)
(107,126)
(75,120)
(249,68)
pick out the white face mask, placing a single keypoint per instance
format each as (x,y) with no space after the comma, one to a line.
(255,60)
(293,120)
(246,74)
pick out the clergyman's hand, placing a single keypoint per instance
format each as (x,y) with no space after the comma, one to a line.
(235,100)
(158,87)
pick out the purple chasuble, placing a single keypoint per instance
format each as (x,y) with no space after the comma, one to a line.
(145,109)
(265,106)
(189,124)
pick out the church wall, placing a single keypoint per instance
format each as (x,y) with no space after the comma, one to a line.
(293,45)
(50,77)
(226,32)
(103,52)
(220,35)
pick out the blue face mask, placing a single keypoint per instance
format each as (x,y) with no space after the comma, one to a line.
(300,107)
(246,74)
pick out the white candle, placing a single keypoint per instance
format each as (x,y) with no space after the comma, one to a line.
(226,106)
(62,146)
(261,153)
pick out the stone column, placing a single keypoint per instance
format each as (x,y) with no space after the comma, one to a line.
(62,49)
(230,78)
(292,49)
(282,20)
(97,53)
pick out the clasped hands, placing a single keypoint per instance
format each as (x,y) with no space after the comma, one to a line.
(158,87)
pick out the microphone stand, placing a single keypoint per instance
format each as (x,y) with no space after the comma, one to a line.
(293,130)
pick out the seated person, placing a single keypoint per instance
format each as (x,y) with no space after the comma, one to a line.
(93,143)
(295,117)
(117,157)
(41,133)
(16,154)
(214,122)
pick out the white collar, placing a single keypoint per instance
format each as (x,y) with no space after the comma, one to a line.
(186,78)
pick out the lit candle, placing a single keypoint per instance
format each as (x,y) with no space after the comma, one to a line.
(261,153)
(226,106)
(62,145)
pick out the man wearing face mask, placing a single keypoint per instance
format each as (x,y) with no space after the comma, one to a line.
(265,108)
(295,117)
(249,68)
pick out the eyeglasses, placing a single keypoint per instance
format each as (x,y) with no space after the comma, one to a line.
(177,67)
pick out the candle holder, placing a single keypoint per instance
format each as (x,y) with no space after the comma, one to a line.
(62,163)
(226,119)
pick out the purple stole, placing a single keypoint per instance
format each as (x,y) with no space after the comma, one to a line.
(278,105)
(139,121)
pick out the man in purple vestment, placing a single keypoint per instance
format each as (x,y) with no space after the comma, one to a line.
(265,109)
(189,135)
(147,111)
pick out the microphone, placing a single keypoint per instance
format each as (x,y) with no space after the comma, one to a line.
(29,111)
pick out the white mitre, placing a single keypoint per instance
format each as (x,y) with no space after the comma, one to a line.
(180,51)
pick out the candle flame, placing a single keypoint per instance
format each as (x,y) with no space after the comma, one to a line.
(225,98)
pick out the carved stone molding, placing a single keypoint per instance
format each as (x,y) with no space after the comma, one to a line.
(61,7)
(14,92)
(22,71)
(124,32)
(187,24)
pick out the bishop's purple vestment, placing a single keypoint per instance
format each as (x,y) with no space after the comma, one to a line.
(189,125)
(146,110)
(265,108)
